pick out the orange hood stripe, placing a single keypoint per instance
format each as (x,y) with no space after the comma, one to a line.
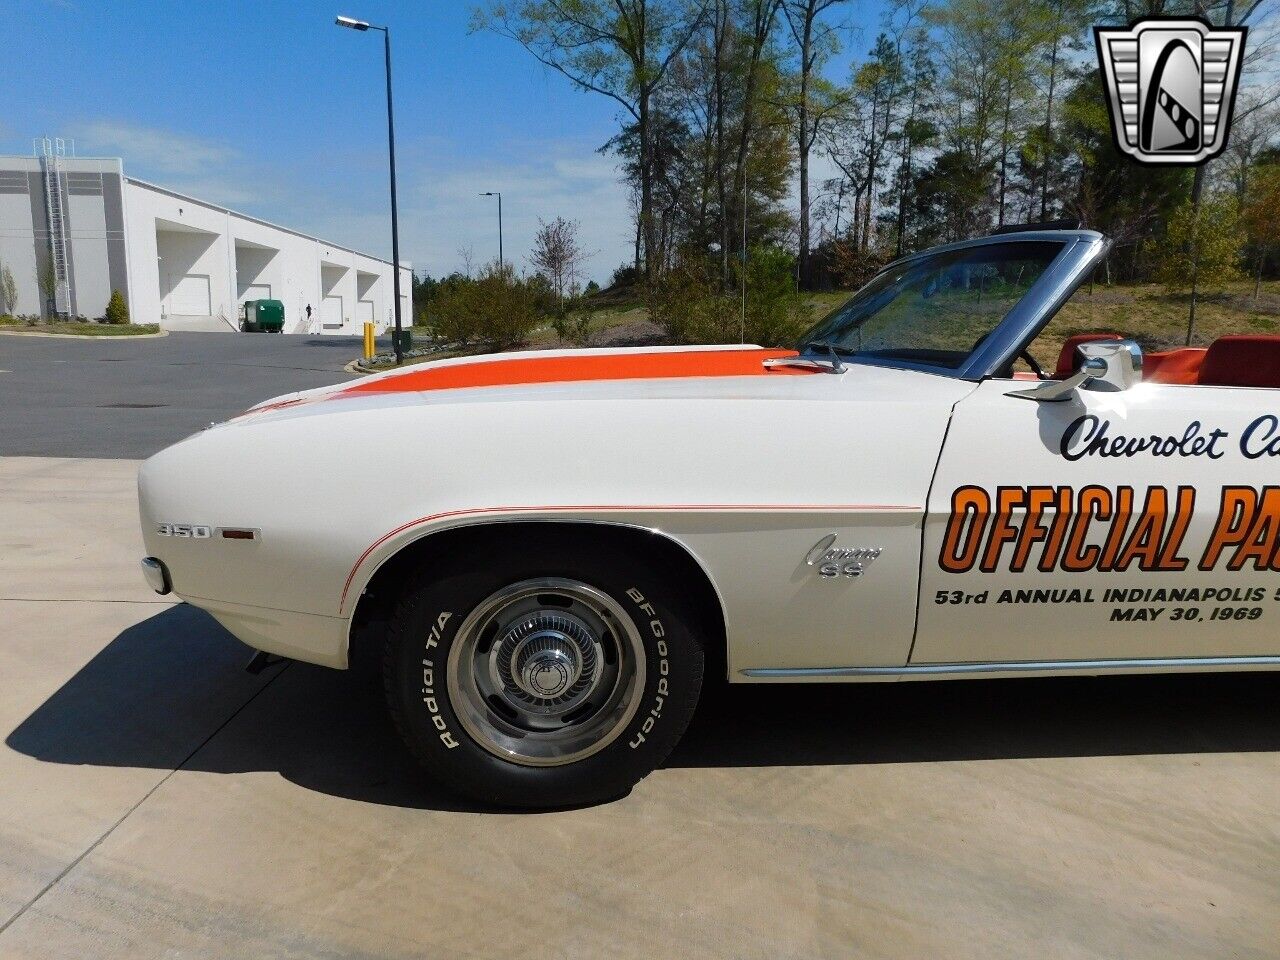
(519,371)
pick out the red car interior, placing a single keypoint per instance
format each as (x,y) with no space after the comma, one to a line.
(1242,361)
(1173,366)
(1246,360)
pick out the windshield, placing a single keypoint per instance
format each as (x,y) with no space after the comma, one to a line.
(934,309)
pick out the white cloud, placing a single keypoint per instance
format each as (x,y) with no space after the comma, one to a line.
(189,164)
(161,150)
(538,181)
(441,210)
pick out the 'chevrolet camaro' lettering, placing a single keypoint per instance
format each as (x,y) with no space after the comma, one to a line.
(1090,436)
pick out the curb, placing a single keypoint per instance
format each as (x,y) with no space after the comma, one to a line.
(357,367)
(82,336)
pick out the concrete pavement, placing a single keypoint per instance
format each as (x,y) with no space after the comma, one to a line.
(157,801)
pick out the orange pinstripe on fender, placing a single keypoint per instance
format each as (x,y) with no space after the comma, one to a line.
(719,508)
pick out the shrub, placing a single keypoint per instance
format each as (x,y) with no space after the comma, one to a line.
(573,329)
(625,276)
(690,308)
(776,313)
(117,309)
(8,290)
(497,308)
(851,267)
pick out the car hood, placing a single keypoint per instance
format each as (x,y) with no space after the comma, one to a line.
(654,372)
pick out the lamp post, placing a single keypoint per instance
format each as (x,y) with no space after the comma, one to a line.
(363,26)
(498,194)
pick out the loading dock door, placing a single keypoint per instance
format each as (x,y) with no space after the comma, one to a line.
(258,291)
(331,312)
(189,296)
(364,311)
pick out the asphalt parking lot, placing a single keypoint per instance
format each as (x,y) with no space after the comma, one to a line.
(157,801)
(129,397)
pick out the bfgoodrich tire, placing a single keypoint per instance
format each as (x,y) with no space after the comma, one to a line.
(553,671)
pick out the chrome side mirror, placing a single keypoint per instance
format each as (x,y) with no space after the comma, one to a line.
(1109,366)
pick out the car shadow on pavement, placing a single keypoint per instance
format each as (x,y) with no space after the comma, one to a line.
(915,722)
(171,691)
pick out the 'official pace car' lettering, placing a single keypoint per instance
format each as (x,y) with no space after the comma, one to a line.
(1096,528)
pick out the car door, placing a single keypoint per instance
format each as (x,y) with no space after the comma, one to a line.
(1139,524)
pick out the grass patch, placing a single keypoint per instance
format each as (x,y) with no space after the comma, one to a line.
(81,329)
(602,321)
(1158,319)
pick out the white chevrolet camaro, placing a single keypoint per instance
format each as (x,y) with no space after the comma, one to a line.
(547,550)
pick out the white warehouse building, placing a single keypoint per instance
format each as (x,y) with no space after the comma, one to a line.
(79,228)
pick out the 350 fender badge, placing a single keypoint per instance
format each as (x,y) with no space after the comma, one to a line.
(833,561)
(185,531)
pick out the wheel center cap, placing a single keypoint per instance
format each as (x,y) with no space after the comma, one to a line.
(547,675)
(550,665)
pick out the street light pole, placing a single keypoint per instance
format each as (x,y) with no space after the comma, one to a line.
(363,26)
(498,194)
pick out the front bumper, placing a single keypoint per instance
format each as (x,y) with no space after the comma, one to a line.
(157,575)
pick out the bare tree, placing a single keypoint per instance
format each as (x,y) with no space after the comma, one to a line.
(758,21)
(815,100)
(1253,132)
(557,256)
(467,256)
(619,48)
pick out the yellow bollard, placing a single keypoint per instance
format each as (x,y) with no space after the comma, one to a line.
(368,341)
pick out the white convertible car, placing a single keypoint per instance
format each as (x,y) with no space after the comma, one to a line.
(547,550)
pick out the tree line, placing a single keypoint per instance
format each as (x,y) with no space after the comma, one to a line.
(952,118)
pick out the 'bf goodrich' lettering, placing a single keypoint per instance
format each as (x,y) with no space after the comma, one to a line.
(664,667)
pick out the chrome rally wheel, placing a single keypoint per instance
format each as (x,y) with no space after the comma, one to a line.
(542,667)
(546,672)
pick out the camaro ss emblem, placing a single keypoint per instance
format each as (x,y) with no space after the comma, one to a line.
(1171,87)
(833,561)
(187,531)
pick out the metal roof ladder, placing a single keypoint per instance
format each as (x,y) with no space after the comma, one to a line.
(54,152)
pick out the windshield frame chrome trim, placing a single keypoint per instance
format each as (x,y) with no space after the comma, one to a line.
(1081,251)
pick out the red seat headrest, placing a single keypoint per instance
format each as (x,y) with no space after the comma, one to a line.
(1247,360)
(1068,362)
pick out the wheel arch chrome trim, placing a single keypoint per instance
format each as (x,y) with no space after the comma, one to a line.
(479,519)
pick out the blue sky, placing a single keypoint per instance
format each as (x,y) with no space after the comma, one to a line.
(269,108)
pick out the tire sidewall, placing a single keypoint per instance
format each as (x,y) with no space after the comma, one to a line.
(425,629)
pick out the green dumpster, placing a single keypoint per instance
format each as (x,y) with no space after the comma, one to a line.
(266,316)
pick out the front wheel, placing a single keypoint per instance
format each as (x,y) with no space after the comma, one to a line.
(555,680)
